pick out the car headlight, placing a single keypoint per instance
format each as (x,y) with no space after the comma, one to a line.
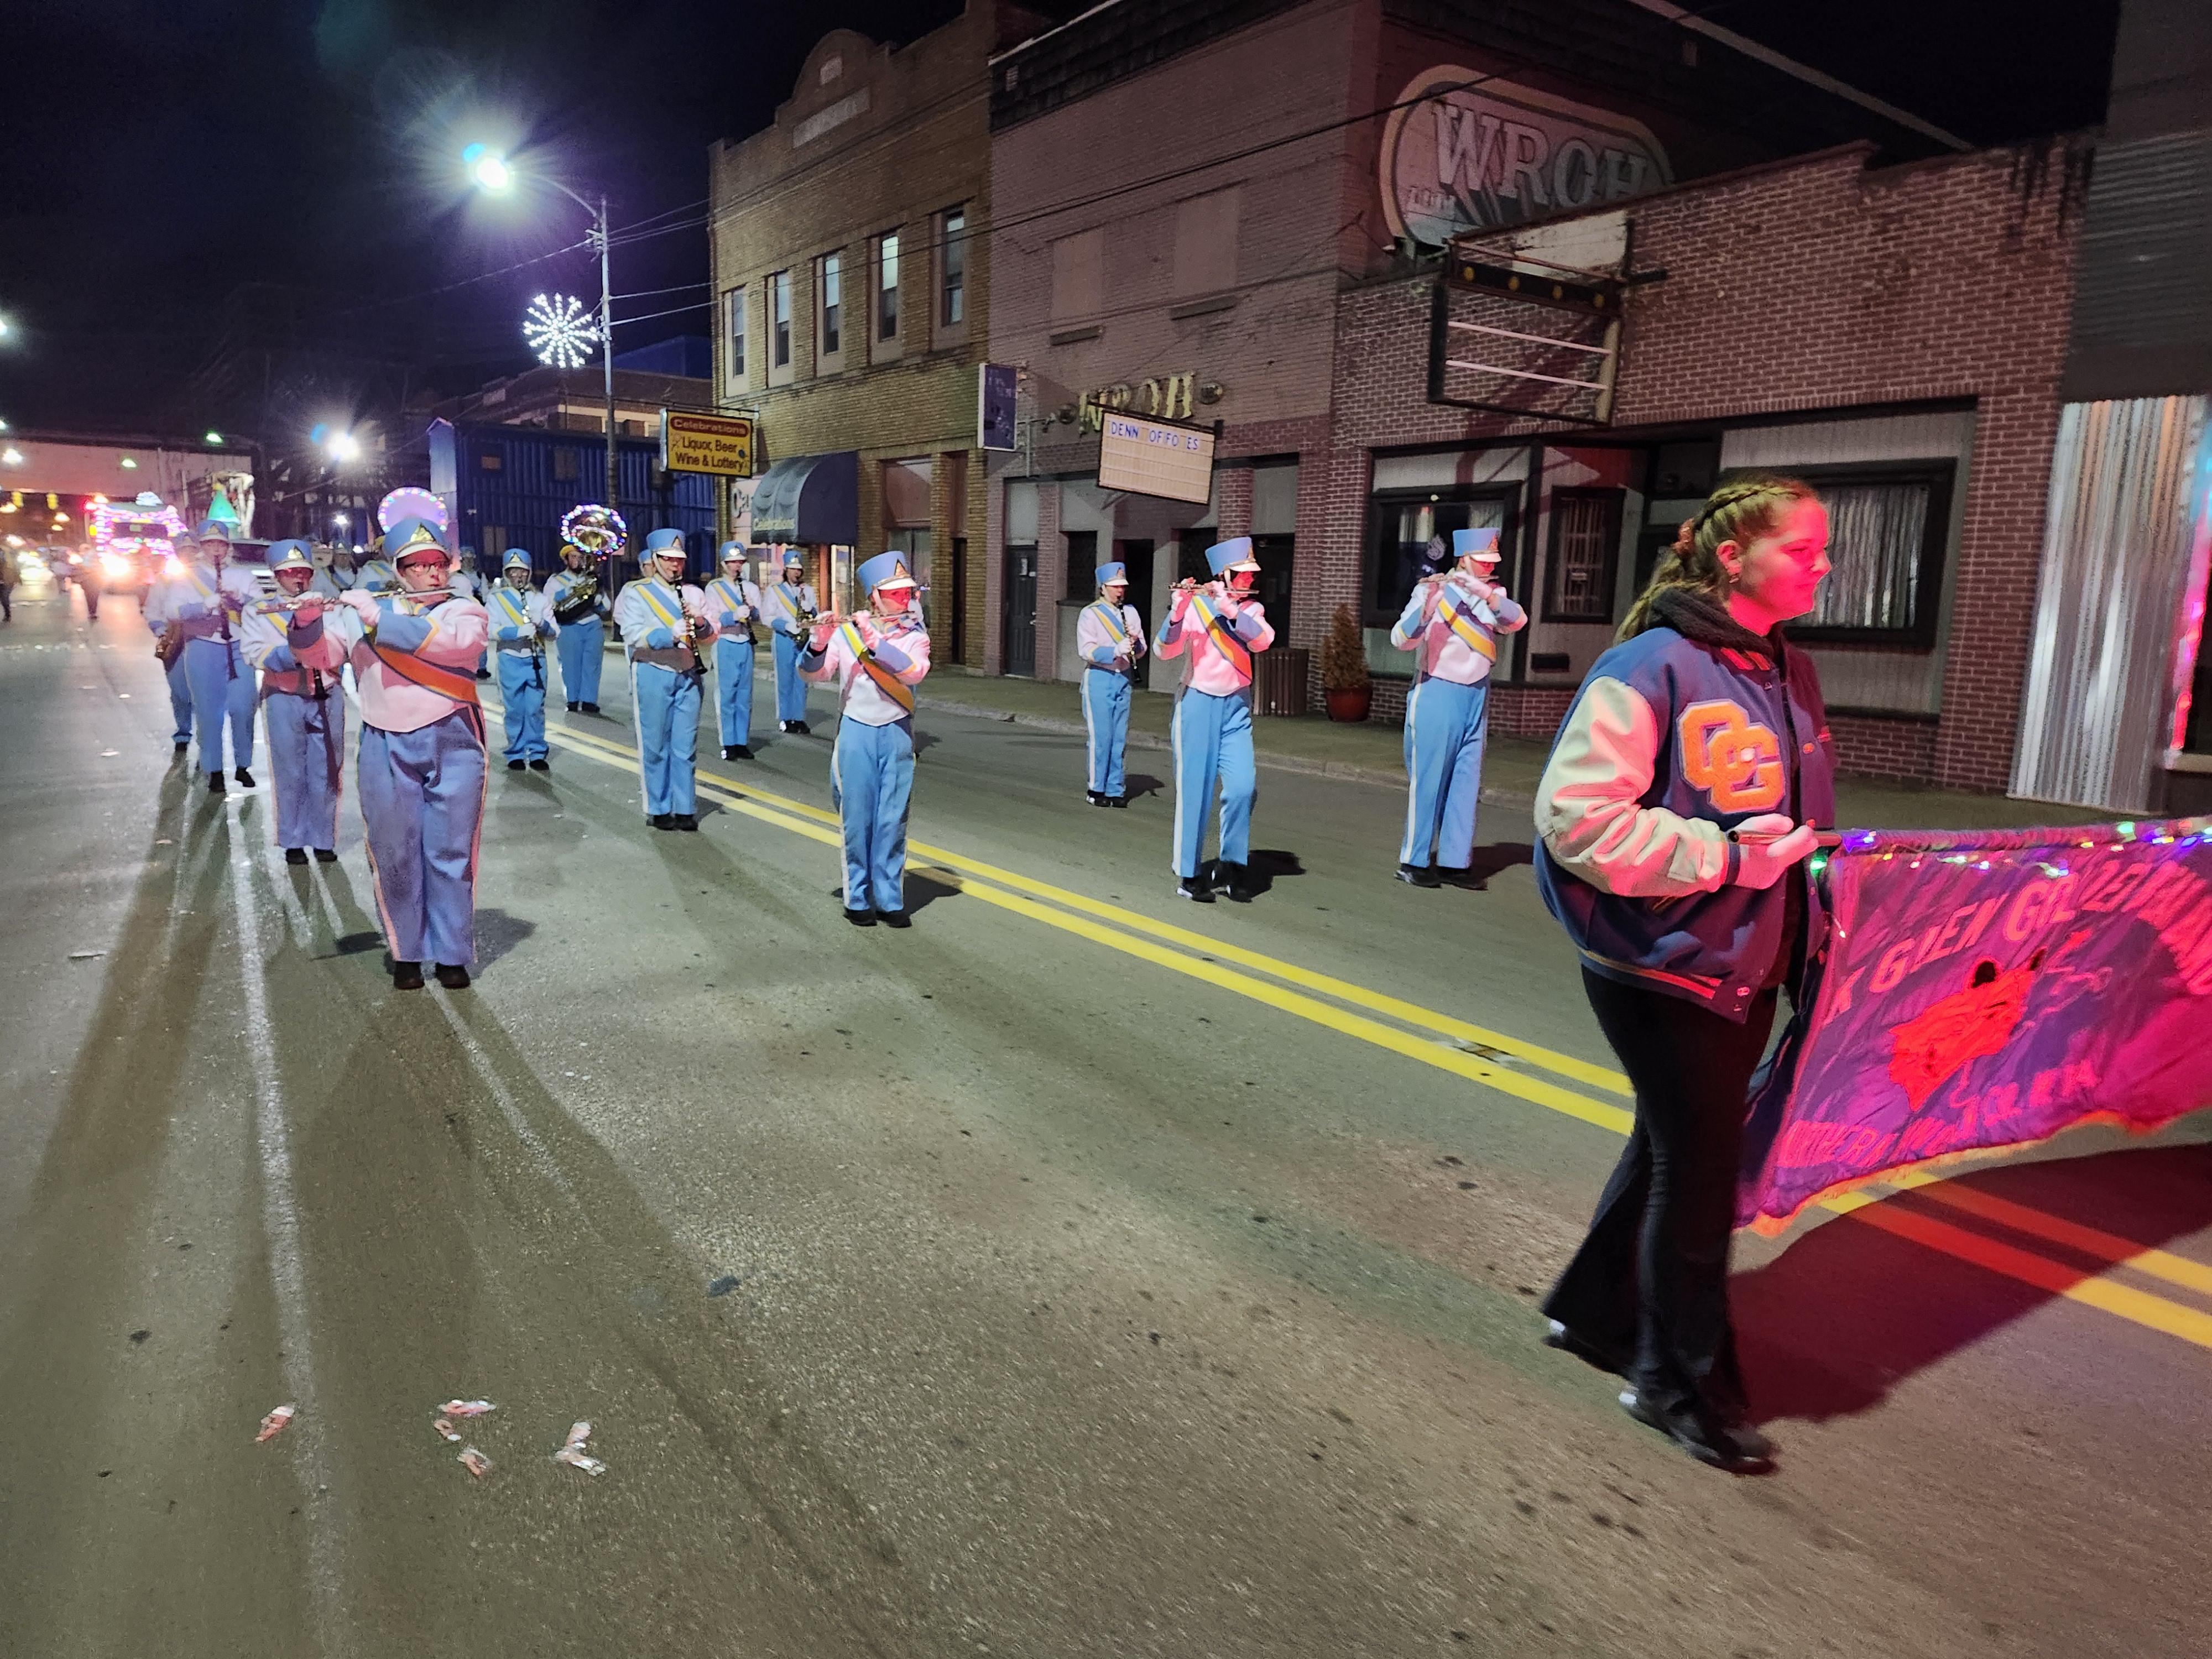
(115,565)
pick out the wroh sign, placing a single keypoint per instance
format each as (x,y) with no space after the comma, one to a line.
(1482,153)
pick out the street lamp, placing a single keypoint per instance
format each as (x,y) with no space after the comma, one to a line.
(343,447)
(491,171)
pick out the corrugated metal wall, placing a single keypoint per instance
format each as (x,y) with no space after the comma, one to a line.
(535,477)
(2115,557)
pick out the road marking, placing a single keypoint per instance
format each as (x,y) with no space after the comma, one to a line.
(2140,1307)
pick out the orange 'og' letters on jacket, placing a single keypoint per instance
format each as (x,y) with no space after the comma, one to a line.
(1737,763)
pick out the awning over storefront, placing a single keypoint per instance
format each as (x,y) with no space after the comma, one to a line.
(809,498)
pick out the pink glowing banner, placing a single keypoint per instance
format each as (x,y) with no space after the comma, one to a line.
(1988,990)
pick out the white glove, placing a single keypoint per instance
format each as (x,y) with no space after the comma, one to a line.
(362,602)
(1768,845)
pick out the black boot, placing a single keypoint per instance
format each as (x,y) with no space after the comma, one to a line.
(1236,881)
(573,706)
(590,709)
(326,855)
(515,766)
(406,975)
(739,751)
(214,784)
(295,855)
(1195,888)
(541,765)
(245,778)
(1420,875)
(861,918)
(684,821)
(453,977)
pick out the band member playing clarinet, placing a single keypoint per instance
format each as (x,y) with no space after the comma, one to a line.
(414,652)
(1109,637)
(734,604)
(304,706)
(790,614)
(1219,626)
(876,657)
(1451,623)
(521,623)
(663,622)
(582,607)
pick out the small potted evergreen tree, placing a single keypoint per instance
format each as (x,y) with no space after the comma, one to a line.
(1345,685)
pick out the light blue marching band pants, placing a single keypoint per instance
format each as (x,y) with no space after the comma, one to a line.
(582,644)
(180,698)
(1444,732)
(871,782)
(1106,722)
(667,705)
(422,802)
(522,690)
(222,695)
(790,690)
(306,755)
(1213,740)
(734,690)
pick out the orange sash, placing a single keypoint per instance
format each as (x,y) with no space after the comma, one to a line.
(1231,646)
(459,688)
(892,686)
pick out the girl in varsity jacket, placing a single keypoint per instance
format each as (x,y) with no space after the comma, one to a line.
(1684,791)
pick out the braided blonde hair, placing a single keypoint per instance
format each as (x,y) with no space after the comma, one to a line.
(1746,507)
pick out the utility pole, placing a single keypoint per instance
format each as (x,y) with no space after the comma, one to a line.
(607,353)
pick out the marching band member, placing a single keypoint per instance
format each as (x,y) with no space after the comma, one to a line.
(580,607)
(1220,627)
(328,579)
(662,620)
(374,575)
(876,660)
(734,603)
(790,615)
(521,623)
(1109,637)
(206,602)
(304,706)
(1451,623)
(161,594)
(422,759)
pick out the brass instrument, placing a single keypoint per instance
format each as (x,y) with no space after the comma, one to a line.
(580,597)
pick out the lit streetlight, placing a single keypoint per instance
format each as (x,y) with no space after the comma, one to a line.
(493,173)
(12,456)
(214,437)
(343,447)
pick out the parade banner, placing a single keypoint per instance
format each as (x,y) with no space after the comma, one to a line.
(1988,990)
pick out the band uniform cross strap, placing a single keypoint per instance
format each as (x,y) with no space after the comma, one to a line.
(510,602)
(784,598)
(1111,616)
(455,687)
(1230,647)
(892,687)
(654,603)
(733,595)
(1469,630)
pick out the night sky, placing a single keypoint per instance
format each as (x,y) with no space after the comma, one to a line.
(191,186)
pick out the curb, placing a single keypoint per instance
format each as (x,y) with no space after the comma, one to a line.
(1343,771)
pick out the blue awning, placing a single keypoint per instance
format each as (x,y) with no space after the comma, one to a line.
(809,498)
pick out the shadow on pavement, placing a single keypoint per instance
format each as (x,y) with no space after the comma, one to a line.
(1498,856)
(499,933)
(921,891)
(1832,1325)
(1139,784)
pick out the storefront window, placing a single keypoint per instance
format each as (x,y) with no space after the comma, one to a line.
(1886,528)
(1401,529)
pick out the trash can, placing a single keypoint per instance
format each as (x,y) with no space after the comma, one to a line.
(1279,681)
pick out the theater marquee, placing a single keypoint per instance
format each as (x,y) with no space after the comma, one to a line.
(1475,154)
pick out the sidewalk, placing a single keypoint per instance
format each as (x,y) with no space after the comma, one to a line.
(1373,753)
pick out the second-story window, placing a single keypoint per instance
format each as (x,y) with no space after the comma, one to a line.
(779,316)
(737,302)
(953,309)
(887,277)
(833,294)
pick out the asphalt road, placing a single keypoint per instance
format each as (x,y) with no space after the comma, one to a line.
(1248,1369)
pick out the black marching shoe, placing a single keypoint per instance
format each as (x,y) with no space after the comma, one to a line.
(1194,889)
(245,778)
(729,751)
(1420,875)
(1094,797)
(1459,875)
(802,728)
(406,975)
(295,855)
(662,820)
(214,784)
(183,746)
(739,751)
(590,709)
(684,821)
(540,765)
(861,918)
(326,855)
(1117,800)
(515,766)
(483,673)
(894,918)
(1236,881)
(453,977)
(1700,1432)
(573,706)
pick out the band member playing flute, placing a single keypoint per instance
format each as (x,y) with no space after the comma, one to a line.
(304,706)
(1219,626)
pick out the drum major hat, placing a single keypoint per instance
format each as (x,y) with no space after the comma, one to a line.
(1235,554)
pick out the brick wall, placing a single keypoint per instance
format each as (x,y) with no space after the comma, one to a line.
(1873,747)
(1812,285)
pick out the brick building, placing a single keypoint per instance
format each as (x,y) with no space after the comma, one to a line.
(852,315)
(1895,335)
(1192,199)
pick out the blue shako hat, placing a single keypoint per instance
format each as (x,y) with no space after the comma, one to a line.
(291,555)
(414,536)
(1481,543)
(515,556)
(885,570)
(1235,554)
(212,530)
(731,550)
(793,556)
(1115,572)
(664,541)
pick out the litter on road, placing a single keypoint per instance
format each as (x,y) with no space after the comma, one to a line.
(572,1452)
(466,1407)
(474,1461)
(273,1424)
(444,1426)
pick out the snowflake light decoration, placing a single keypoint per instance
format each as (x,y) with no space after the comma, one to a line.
(560,330)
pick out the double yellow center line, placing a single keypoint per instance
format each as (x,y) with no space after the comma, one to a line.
(1496,1060)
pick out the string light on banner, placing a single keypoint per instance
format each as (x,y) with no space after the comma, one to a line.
(598,531)
(410,502)
(560,330)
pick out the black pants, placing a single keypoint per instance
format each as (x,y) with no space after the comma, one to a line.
(1647,1293)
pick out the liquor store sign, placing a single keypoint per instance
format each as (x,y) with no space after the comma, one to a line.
(1469,153)
(720,444)
(1155,457)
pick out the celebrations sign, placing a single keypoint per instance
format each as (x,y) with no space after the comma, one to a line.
(708,443)
(1470,152)
(1988,990)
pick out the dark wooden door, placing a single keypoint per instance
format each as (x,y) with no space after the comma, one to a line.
(1020,586)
